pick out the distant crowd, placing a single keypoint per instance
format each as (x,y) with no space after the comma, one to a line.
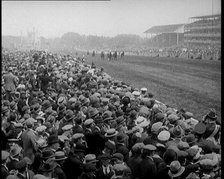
(181,52)
(64,119)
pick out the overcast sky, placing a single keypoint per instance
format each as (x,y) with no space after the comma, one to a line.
(106,18)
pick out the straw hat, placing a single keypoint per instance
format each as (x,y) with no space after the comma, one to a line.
(111,132)
(142,122)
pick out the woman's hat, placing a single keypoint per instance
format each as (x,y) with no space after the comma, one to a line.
(111,132)
(176,169)
(60,155)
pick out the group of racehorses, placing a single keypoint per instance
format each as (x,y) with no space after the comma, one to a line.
(111,55)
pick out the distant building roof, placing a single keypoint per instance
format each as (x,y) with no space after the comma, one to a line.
(164,29)
(207,16)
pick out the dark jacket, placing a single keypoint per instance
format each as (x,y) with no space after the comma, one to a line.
(134,164)
(73,166)
(147,168)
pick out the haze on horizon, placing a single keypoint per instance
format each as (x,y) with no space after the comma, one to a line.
(102,18)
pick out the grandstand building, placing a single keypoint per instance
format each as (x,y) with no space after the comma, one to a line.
(166,35)
(203,31)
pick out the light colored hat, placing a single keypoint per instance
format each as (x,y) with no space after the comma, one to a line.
(5,155)
(111,132)
(156,126)
(38,176)
(88,122)
(198,154)
(62,138)
(142,122)
(149,147)
(77,136)
(41,143)
(144,89)
(60,155)
(90,158)
(175,169)
(41,128)
(164,136)
(136,93)
(67,127)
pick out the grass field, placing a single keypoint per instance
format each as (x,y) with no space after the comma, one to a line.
(181,83)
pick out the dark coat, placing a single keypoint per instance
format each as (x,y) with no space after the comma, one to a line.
(73,167)
(100,174)
(134,164)
(147,168)
(123,150)
(4,172)
(77,129)
(59,172)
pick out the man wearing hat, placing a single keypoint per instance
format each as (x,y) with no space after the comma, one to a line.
(110,135)
(4,168)
(10,82)
(59,169)
(105,168)
(29,140)
(23,169)
(147,166)
(73,166)
(53,143)
(78,125)
(14,156)
(121,147)
(67,120)
(135,159)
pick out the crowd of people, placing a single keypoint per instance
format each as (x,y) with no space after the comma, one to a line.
(181,52)
(65,119)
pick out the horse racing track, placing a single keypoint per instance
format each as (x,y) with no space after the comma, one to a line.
(181,83)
